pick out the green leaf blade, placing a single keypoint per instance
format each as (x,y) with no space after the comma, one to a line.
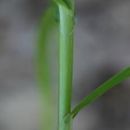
(115,80)
(45,27)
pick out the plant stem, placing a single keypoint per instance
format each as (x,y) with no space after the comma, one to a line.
(65,66)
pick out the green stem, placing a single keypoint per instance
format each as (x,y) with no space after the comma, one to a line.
(65,65)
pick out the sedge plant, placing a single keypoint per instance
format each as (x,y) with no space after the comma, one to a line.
(62,13)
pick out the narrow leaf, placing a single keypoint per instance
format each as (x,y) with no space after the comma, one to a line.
(115,80)
(47,23)
(45,27)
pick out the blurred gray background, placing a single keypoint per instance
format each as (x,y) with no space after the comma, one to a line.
(102,48)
